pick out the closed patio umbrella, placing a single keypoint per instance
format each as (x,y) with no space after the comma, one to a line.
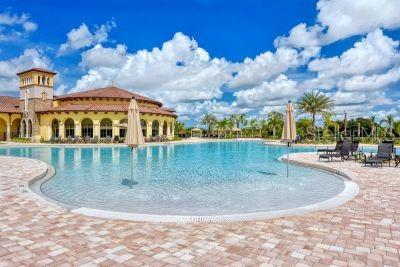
(134,134)
(289,131)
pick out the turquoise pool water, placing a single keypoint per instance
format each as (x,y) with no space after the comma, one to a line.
(213,178)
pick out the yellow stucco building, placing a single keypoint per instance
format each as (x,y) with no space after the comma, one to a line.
(95,113)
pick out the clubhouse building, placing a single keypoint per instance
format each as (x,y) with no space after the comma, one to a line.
(102,112)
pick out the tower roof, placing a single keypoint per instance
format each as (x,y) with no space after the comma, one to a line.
(37,69)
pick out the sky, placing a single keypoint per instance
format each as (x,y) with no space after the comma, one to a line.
(216,56)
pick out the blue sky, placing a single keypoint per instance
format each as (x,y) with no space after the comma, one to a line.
(234,56)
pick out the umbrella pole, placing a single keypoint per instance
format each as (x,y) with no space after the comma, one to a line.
(287,161)
(131,167)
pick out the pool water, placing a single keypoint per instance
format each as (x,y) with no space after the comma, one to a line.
(214,178)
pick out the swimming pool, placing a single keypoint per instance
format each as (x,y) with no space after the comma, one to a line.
(201,179)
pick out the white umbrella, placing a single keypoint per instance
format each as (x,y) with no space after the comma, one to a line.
(289,131)
(134,134)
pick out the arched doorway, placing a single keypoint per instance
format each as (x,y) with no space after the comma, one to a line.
(23,128)
(105,128)
(164,128)
(122,130)
(15,128)
(143,124)
(154,128)
(3,130)
(29,128)
(55,128)
(69,128)
(87,128)
(170,128)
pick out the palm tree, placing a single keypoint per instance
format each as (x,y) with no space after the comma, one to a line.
(275,120)
(241,120)
(223,125)
(230,125)
(179,127)
(314,103)
(210,120)
(389,120)
(253,126)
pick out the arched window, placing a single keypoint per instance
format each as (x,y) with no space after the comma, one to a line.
(23,128)
(105,128)
(69,128)
(143,124)
(87,128)
(154,128)
(55,128)
(29,128)
(164,128)
(122,130)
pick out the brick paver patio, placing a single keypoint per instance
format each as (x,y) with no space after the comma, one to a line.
(364,231)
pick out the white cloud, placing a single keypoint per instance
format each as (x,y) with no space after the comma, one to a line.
(370,83)
(267,93)
(14,27)
(267,65)
(8,68)
(339,19)
(373,53)
(344,18)
(301,36)
(197,109)
(82,37)
(179,71)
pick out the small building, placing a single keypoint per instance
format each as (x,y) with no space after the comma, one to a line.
(40,115)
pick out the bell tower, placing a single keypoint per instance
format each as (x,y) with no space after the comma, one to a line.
(36,88)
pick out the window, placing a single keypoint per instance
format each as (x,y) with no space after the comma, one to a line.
(69,128)
(143,124)
(87,128)
(105,128)
(55,128)
(154,128)
(122,130)
(165,127)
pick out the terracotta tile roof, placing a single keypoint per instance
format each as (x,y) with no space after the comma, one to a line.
(108,92)
(9,104)
(37,69)
(107,108)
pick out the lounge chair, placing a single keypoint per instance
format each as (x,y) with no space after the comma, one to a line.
(331,150)
(342,154)
(95,140)
(77,139)
(108,139)
(87,139)
(385,153)
(70,140)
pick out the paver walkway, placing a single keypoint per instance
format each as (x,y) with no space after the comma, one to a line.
(364,231)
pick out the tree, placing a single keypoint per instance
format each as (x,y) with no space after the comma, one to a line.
(274,121)
(241,120)
(303,127)
(223,125)
(179,127)
(389,120)
(253,126)
(210,120)
(314,103)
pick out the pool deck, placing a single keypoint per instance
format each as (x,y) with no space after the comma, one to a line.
(363,231)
